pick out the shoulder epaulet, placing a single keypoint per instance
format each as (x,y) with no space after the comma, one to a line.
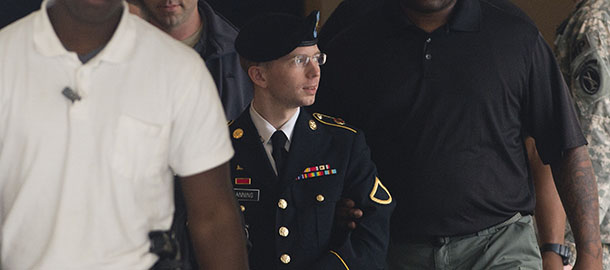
(230,123)
(332,121)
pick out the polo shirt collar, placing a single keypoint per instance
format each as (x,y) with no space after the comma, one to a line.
(466,15)
(118,48)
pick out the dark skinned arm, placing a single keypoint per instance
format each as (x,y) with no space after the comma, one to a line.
(575,181)
(346,214)
(549,213)
(214,222)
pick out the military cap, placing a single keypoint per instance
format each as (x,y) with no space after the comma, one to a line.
(271,36)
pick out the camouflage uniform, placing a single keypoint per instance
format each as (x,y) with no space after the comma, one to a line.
(583,48)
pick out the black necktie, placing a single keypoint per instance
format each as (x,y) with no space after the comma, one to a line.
(279,153)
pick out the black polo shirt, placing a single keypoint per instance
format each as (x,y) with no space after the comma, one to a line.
(445,112)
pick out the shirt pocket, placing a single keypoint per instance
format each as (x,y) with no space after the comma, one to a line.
(316,200)
(140,149)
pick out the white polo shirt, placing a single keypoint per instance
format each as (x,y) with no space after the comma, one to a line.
(82,184)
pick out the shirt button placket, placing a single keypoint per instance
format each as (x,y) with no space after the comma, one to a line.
(78,109)
(427,57)
(427,53)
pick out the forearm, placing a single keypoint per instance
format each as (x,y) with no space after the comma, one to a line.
(214,222)
(550,216)
(549,213)
(577,187)
(550,220)
(223,234)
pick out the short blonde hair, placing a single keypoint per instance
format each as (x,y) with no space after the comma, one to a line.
(246,64)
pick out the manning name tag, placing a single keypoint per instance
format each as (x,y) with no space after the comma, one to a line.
(247,194)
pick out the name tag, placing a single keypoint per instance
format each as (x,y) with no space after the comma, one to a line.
(246,194)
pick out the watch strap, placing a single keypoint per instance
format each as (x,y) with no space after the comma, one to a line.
(562,250)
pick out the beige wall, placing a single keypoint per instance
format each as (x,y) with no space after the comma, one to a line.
(325,7)
(547,14)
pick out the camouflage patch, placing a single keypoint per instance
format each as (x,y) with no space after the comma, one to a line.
(585,29)
(579,46)
(589,77)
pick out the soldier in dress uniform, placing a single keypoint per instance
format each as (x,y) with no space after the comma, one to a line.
(291,167)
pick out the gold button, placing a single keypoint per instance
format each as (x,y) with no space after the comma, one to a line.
(312,125)
(238,133)
(284,231)
(243,208)
(320,198)
(282,204)
(285,258)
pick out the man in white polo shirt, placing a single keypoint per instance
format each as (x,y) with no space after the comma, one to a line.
(98,110)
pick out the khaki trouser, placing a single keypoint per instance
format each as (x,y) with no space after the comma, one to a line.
(510,245)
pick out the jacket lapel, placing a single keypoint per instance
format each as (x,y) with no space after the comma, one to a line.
(304,148)
(249,152)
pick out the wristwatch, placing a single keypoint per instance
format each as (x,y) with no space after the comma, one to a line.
(562,250)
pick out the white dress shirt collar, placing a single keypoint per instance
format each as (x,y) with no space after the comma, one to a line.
(266,130)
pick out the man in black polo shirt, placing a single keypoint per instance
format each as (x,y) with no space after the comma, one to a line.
(445,91)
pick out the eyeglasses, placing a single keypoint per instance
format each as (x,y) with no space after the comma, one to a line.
(302,60)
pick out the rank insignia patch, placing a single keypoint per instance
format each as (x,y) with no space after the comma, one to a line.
(243,181)
(246,194)
(380,193)
(316,171)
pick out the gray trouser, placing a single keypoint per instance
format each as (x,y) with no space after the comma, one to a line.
(509,245)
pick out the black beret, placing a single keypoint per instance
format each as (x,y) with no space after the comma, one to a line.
(273,35)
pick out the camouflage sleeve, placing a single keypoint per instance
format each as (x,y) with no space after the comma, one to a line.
(583,52)
(590,78)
